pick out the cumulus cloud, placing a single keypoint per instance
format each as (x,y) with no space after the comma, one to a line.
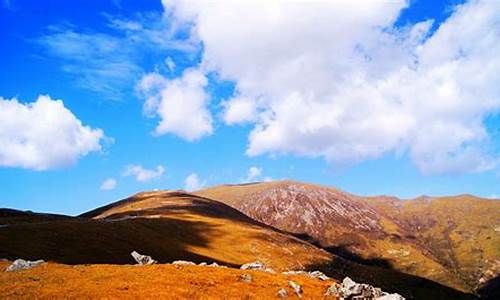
(43,135)
(141,174)
(108,184)
(337,79)
(180,103)
(194,183)
(239,110)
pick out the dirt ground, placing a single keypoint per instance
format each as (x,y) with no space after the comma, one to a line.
(163,281)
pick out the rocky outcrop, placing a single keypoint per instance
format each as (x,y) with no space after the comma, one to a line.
(143,259)
(21,264)
(349,289)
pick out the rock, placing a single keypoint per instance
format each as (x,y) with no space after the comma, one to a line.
(349,289)
(183,263)
(21,264)
(143,259)
(391,297)
(282,293)
(216,265)
(246,277)
(318,274)
(296,287)
(202,264)
(257,265)
(269,270)
(333,290)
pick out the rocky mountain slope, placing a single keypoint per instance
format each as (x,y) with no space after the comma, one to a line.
(451,240)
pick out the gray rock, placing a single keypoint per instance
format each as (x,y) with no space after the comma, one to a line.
(296,287)
(21,264)
(143,259)
(282,293)
(256,265)
(246,277)
(183,263)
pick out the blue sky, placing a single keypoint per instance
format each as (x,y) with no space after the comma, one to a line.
(155,93)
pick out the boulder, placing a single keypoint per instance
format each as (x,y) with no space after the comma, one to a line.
(296,287)
(143,259)
(21,264)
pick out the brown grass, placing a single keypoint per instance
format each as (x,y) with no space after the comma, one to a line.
(145,282)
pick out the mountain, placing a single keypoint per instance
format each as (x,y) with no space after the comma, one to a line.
(174,225)
(451,240)
(167,225)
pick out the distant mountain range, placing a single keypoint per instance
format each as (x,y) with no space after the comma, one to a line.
(452,244)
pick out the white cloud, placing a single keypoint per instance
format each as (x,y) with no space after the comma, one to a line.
(256,174)
(43,135)
(194,183)
(180,103)
(337,79)
(141,174)
(108,184)
(239,110)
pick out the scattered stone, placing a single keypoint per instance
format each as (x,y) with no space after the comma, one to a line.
(202,264)
(256,265)
(21,264)
(269,270)
(318,274)
(246,277)
(296,287)
(183,263)
(143,259)
(282,293)
(349,289)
